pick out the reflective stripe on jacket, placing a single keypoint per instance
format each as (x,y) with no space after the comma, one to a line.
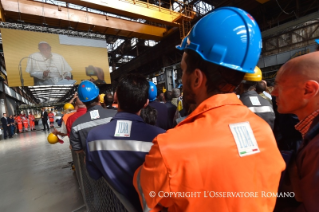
(200,156)
(259,106)
(82,125)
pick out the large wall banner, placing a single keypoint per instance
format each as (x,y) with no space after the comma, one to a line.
(34,58)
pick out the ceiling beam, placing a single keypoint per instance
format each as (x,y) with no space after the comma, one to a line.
(282,27)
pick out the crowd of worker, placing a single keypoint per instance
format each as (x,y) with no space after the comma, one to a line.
(204,149)
(14,124)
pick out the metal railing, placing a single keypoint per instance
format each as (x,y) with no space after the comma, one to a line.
(97,194)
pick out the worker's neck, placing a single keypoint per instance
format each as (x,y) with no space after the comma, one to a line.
(92,105)
(307,110)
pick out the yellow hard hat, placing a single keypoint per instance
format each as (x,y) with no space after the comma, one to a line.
(255,77)
(52,139)
(164,90)
(68,106)
(102,98)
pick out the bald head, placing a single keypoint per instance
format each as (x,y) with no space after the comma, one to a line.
(297,87)
(303,68)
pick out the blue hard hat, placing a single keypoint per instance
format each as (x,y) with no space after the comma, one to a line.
(87,91)
(229,37)
(317,41)
(152,92)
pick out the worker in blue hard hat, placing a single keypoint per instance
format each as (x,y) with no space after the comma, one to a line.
(222,151)
(162,111)
(96,115)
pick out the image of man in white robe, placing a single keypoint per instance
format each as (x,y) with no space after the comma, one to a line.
(48,68)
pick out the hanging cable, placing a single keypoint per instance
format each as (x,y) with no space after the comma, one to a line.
(292,12)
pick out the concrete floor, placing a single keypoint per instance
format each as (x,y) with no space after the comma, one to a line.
(33,177)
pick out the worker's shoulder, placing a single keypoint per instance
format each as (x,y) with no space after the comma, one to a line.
(158,106)
(104,116)
(215,124)
(148,129)
(103,131)
(107,112)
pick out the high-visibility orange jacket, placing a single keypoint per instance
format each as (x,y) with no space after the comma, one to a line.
(18,119)
(31,120)
(212,151)
(51,117)
(66,116)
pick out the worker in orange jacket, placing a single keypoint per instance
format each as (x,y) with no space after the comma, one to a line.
(51,118)
(25,123)
(31,121)
(19,122)
(222,157)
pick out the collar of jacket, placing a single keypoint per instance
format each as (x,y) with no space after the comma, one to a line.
(212,102)
(249,93)
(127,116)
(312,132)
(96,107)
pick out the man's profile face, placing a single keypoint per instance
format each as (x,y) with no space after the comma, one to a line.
(288,92)
(5,115)
(45,50)
(188,94)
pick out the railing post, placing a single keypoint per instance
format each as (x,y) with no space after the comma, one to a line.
(81,178)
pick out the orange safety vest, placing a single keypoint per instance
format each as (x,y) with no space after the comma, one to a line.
(51,117)
(25,122)
(19,121)
(211,154)
(31,120)
(66,116)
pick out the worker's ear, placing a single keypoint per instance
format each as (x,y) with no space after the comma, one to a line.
(115,97)
(198,79)
(147,102)
(311,89)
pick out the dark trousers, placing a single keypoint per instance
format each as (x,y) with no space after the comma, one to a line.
(12,128)
(45,123)
(6,130)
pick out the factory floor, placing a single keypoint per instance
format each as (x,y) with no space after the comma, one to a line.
(35,176)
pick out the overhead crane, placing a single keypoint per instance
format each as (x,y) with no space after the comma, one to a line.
(37,13)
(139,9)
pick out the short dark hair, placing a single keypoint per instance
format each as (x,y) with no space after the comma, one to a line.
(94,101)
(161,97)
(132,92)
(260,87)
(149,115)
(4,113)
(219,78)
(108,98)
(168,95)
(248,86)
